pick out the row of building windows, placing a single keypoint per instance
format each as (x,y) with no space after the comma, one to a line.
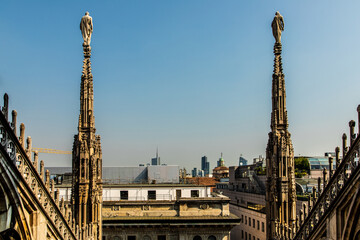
(252,223)
(247,236)
(159,237)
(124,195)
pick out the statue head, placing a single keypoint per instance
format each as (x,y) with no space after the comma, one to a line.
(87,14)
(277,13)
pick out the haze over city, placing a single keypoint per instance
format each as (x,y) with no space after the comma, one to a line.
(191,78)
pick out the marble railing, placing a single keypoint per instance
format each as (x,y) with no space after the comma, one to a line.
(58,215)
(334,182)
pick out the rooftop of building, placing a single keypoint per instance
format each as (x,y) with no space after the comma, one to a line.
(220,168)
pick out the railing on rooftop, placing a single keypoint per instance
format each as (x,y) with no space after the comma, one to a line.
(17,158)
(339,181)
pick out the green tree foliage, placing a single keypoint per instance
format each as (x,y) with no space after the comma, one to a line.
(302,167)
(260,170)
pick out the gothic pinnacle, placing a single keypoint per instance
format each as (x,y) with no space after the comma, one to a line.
(87,154)
(280,192)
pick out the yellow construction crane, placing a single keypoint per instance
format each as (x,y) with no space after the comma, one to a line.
(48,150)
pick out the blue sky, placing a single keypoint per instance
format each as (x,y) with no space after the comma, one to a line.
(192,78)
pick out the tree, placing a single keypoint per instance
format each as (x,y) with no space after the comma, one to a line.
(302,166)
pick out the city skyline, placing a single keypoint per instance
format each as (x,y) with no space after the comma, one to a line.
(193,79)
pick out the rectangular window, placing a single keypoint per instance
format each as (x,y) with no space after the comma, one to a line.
(258,224)
(249,236)
(253,223)
(178,193)
(249,221)
(151,195)
(161,237)
(124,195)
(242,234)
(245,235)
(194,193)
(262,227)
(131,237)
(242,218)
(245,219)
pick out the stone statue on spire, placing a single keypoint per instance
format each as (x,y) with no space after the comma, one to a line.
(277,26)
(86,27)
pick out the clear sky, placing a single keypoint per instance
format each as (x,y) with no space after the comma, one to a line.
(192,78)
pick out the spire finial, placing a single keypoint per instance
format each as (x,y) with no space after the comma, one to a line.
(277,26)
(86,27)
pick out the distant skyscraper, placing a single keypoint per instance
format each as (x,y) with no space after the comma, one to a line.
(156,160)
(205,165)
(194,172)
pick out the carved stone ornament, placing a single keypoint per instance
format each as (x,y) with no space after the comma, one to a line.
(277,26)
(86,27)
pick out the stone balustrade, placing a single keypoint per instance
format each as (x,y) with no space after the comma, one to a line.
(43,191)
(334,184)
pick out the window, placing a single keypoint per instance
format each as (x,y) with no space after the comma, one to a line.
(249,236)
(197,237)
(151,195)
(178,193)
(245,235)
(146,237)
(253,223)
(242,218)
(131,237)
(258,224)
(194,193)
(242,234)
(212,237)
(124,195)
(253,237)
(262,227)
(161,237)
(284,166)
(245,219)
(249,221)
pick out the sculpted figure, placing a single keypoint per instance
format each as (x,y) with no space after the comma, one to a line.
(277,26)
(86,27)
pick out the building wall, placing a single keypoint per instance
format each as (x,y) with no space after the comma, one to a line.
(162,193)
(140,192)
(247,229)
(163,233)
(244,199)
(144,220)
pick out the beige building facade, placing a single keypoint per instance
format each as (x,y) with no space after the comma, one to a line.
(183,219)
